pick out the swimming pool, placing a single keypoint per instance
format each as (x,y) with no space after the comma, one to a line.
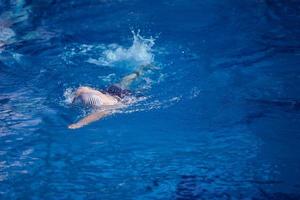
(216,118)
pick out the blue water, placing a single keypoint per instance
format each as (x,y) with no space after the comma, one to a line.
(217,118)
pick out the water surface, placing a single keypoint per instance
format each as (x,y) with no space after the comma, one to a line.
(218,118)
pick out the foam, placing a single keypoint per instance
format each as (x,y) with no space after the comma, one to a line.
(142,104)
(139,53)
(69,95)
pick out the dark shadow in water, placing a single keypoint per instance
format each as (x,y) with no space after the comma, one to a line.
(247,59)
(264,195)
(286,104)
(189,188)
(250,118)
(186,188)
(284,33)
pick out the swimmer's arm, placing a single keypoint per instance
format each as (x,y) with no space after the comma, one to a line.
(89,119)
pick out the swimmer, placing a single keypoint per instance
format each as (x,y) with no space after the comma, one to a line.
(104,102)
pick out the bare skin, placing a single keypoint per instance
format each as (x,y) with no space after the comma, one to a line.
(109,103)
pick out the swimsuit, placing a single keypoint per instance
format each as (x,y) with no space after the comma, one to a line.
(116,90)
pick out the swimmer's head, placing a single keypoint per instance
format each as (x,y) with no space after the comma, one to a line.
(77,100)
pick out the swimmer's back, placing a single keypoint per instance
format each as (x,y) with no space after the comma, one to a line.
(94,98)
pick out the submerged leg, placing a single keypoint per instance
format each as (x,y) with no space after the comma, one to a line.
(127,80)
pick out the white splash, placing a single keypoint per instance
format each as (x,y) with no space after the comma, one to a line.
(69,95)
(139,53)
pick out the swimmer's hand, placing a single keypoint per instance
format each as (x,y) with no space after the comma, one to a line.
(89,119)
(74,126)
